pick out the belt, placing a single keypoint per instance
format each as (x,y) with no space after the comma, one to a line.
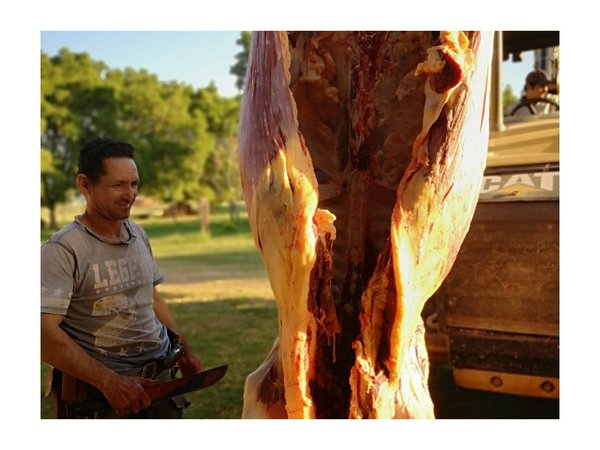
(155,367)
(152,369)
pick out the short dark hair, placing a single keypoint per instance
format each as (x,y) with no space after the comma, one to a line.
(93,154)
(537,77)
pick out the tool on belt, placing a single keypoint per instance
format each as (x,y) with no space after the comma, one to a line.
(158,391)
(156,366)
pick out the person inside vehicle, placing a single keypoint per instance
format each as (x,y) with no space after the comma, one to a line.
(536,98)
(105,330)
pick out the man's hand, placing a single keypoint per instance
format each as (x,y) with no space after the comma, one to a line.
(126,394)
(188,363)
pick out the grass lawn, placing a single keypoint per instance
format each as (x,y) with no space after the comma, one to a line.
(220,296)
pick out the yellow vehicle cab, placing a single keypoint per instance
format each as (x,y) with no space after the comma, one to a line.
(495,319)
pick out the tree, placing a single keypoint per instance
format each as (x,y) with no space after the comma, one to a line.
(239,68)
(222,170)
(73,107)
(172,136)
(508,98)
(221,176)
(48,172)
(173,127)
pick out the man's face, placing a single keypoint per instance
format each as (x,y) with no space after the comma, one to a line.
(114,193)
(537,91)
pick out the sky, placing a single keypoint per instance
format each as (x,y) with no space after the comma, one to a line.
(191,57)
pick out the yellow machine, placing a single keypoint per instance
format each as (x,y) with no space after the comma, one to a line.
(495,319)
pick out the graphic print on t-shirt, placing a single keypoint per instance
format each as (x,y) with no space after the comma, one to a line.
(123,309)
(121,272)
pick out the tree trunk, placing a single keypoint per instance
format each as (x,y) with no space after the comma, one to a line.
(204,212)
(233,211)
(174,211)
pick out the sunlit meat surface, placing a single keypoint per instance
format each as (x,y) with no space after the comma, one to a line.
(361,157)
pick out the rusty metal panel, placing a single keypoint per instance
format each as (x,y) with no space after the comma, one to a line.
(506,276)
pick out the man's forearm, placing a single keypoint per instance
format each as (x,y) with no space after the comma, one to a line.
(125,394)
(162,311)
(60,351)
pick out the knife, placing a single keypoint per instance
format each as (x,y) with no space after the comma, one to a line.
(158,391)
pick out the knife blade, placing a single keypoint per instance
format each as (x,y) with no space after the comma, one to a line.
(190,383)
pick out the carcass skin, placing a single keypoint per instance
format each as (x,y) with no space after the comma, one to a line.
(361,156)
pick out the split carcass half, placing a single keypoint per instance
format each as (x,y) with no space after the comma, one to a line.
(361,157)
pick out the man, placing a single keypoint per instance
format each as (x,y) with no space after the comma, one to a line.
(104,326)
(536,100)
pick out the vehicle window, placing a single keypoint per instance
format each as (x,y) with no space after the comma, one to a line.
(522,100)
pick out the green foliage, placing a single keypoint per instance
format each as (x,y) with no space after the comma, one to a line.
(47,169)
(222,170)
(47,162)
(239,68)
(508,97)
(229,226)
(176,130)
(68,81)
(221,175)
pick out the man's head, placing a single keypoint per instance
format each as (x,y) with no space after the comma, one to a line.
(536,84)
(108,178)
(95,152)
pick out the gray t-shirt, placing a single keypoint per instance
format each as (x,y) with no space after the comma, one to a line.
(104,290)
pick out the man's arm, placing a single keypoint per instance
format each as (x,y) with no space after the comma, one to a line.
(125,394)
(188,363)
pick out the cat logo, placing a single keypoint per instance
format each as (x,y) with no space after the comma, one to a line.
(529,186)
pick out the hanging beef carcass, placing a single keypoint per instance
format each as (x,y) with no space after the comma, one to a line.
(361,158)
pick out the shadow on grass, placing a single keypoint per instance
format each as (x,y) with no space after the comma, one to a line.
(238,332)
